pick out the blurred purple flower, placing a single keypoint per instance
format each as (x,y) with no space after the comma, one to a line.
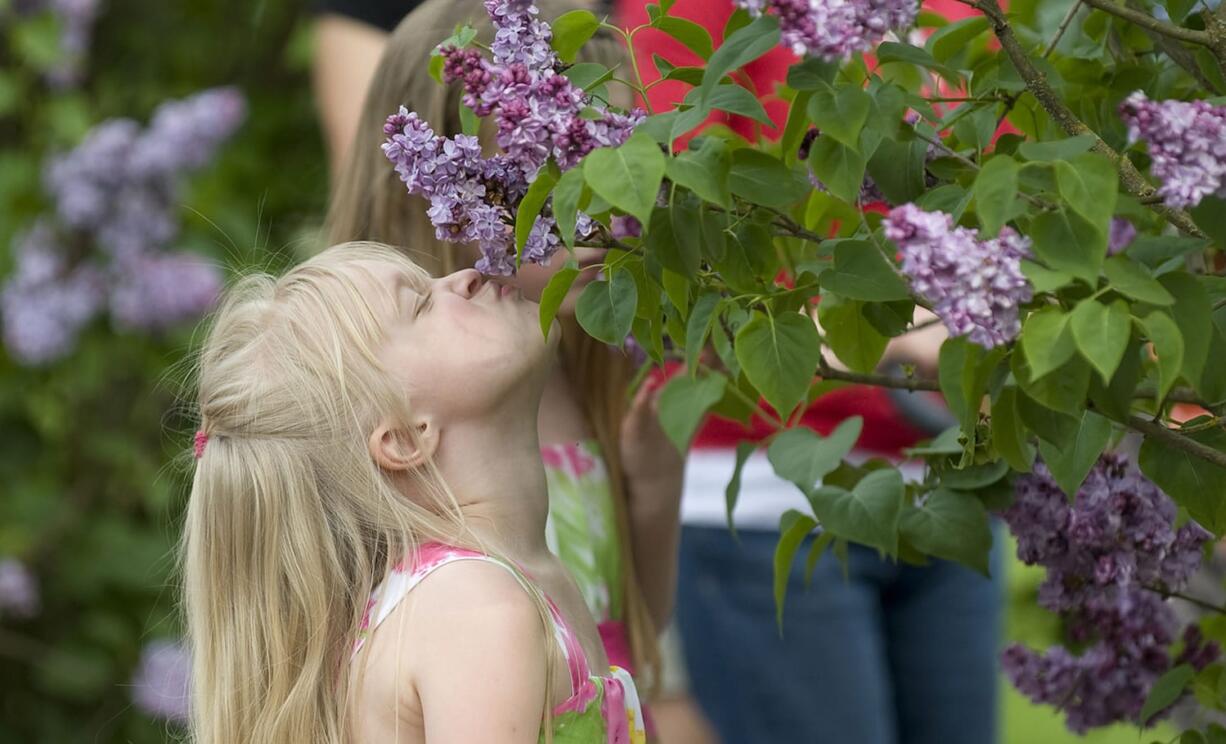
(161,681)
(156,291)
(19,596)
(834,29)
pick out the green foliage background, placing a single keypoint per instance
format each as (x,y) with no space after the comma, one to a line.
(92,449)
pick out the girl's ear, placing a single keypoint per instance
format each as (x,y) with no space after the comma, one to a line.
(395,449)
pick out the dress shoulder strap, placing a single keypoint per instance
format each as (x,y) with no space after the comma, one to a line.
(432,556)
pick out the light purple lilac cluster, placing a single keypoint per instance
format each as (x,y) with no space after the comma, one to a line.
(19,596)
(834,29)
(1109,555)
(538,114)
(115,201)
(1187,145)
(76,23)
(975,286)
(160,684)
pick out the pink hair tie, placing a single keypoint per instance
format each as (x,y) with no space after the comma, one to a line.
(201,440)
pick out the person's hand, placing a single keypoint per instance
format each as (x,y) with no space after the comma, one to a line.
(648,455)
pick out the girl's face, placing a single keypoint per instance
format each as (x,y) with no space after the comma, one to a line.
(462,344)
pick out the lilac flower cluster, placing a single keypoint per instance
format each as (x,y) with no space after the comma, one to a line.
(834,29)
(1120,236)
(537,112)
(161,681)
(18,590)
(1187,144)
(1109,554)
(115,200)
(975,285)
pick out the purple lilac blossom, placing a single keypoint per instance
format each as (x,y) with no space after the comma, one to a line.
(161,680)
(976,286)
(19,595)
(834,29)
(1108,553)
(184,134)
(1121,235)
(76,22)
(537,114)
(156,291)
(45,301)
(1187,144)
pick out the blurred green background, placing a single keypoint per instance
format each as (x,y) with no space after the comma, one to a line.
(95,448)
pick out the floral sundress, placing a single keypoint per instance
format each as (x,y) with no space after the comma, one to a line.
(602,708)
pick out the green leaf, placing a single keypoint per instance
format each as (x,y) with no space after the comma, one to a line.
(948,41)
(36,40)
(868,514)
(1061,149)
(659,127)
(761,179)
(850,335)
(1044,279)
(628,177)
(1070,465)
(811,73)
(795,127)
(704,171)
(1090,184)
(1048,341)
(1102,333)
(731,98)
(566,196)
(1165,691)
(1194,483)
(697,328)
(952,525)
(733,491)
(683,213)
(793,528)
(861,272)
(1066,242)
(553,295)
(588,75)
(841,114)
(469,123)
(779,355)
(1051,425)
(1210,216)
(683,404)
(571,31)
(892,51)
(898,169)
(995,189)
(695,38)
(1009,434)
(963,370)
(1065,392)
(803,457)
(1192,313)
(839,167)
(974,477)
(1131,278)
(606,308)
(742,46)
(530,206)
(1168,346)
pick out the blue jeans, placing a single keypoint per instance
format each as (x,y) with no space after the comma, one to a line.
(896,654)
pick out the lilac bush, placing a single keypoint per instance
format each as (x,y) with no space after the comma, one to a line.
(115,199)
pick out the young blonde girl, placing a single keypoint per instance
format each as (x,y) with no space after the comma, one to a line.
(615,479)
(364,555)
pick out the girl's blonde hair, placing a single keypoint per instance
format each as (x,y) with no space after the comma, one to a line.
(290,523)
(369,203)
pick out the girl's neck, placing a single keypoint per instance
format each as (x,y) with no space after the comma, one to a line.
(494,468)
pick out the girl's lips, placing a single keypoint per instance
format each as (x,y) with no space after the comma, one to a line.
(506,289)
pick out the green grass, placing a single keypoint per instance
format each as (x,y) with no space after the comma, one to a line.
(1021,721)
